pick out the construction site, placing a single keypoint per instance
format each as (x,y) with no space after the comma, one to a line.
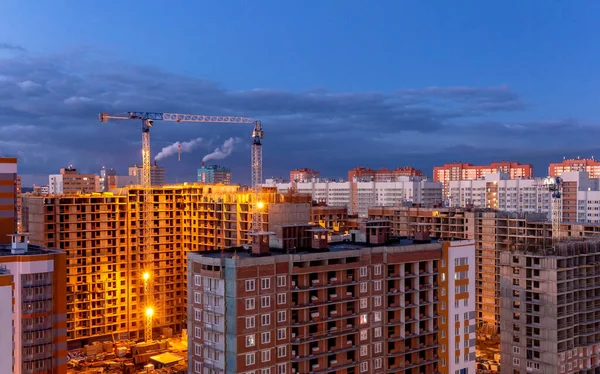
(126,255)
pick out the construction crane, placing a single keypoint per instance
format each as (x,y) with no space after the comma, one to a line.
(147,119)
(555,185)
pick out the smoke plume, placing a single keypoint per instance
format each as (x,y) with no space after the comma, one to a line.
(222,151)
(172,149)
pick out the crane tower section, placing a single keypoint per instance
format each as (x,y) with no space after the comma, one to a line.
(554,185)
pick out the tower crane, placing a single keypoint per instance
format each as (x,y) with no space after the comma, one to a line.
(555,186)
(147,119)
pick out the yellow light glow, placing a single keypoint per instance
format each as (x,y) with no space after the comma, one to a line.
(146,276)
(149,312)
(260,205)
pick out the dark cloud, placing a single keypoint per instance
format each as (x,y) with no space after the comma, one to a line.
(11,47)
(49,107)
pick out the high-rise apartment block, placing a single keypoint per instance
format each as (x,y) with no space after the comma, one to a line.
(102,236)
(550,308)
(362,174)
(8,198)
(33,311)
(69,181)
(303,175)
(214,174)
(591,165)
(157,174)
(330,217)
(358,197)
(375,306)
(463,171)
(108,179)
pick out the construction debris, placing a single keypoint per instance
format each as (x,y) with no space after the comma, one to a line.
(165,356)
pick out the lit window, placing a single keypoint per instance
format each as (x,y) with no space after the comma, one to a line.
(363,319)
(250,341)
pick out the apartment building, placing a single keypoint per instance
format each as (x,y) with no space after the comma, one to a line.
(214,174)
(7,353)
(362,174)
(358,197)
(33,278)
(550,309)
(157,174)
(465,171)
(372,306)
(102,235)
(493,231)
(591,165)
(303,175)
(107,180)
(69,181)
(8,198)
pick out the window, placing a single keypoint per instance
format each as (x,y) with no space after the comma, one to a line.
(377,317)
(363,350)
(266,355)
(377,269)
(250,322)
(197,367)
(461,261)
(197,349)
(377,300)
(443,319)
(378,285)
(377,332)
(197,314)
(443,306)
(363,319)
(516,350)
(265,320)
(281,334)
(363,303)
(363,271)
(466,302)
(250,341)
(378,347)
(265,371)
(443,348)
(197,297)
(377,363)
(281,351)
(533,365)
(281,281)
(265,301)
(265,338)
(443,362)
(456,319)
(363,287)
(250,285)
(280,298)
(364,367)
(281,316)
(250,303)
(516,361)
(197,332)
(265,283)
(197,280)
(281,369)
(250,360)
(363,334)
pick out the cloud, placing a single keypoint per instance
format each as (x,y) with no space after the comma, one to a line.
(12,47)
(49,106)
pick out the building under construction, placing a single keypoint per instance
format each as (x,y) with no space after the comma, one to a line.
(102,235)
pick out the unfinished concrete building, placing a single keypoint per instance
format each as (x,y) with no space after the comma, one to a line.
(550,308)
(102,235)
(493,232)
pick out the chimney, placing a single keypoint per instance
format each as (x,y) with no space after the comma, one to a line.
(260,244)
(202,163)
(155,163)
(20,242)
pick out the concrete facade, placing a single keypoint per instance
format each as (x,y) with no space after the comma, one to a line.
(8,198)
(549,309)
(69,181)
(157,175)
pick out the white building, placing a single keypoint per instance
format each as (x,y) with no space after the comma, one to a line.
(7,353)
(460,273)
(497,191)
(358,197)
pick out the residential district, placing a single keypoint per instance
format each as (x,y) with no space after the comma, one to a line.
(479,269)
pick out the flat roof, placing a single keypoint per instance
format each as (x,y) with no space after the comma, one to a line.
(32,250)
(331,248)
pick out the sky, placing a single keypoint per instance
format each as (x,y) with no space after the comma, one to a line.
(336,84)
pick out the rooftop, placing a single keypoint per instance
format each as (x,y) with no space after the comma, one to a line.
(395,242)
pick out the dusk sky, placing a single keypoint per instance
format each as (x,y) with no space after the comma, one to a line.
(337,84)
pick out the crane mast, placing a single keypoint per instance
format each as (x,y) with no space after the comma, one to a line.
(148,119)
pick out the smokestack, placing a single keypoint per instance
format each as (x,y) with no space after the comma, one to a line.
(155,163)
(178,148)
(202,163)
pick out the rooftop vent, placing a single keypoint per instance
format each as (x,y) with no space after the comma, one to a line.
(20,242)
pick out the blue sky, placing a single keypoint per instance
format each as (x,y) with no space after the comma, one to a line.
(343,83)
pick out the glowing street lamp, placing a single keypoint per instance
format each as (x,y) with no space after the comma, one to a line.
(260,205)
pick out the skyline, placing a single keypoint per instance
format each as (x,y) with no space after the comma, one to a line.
(403,84)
